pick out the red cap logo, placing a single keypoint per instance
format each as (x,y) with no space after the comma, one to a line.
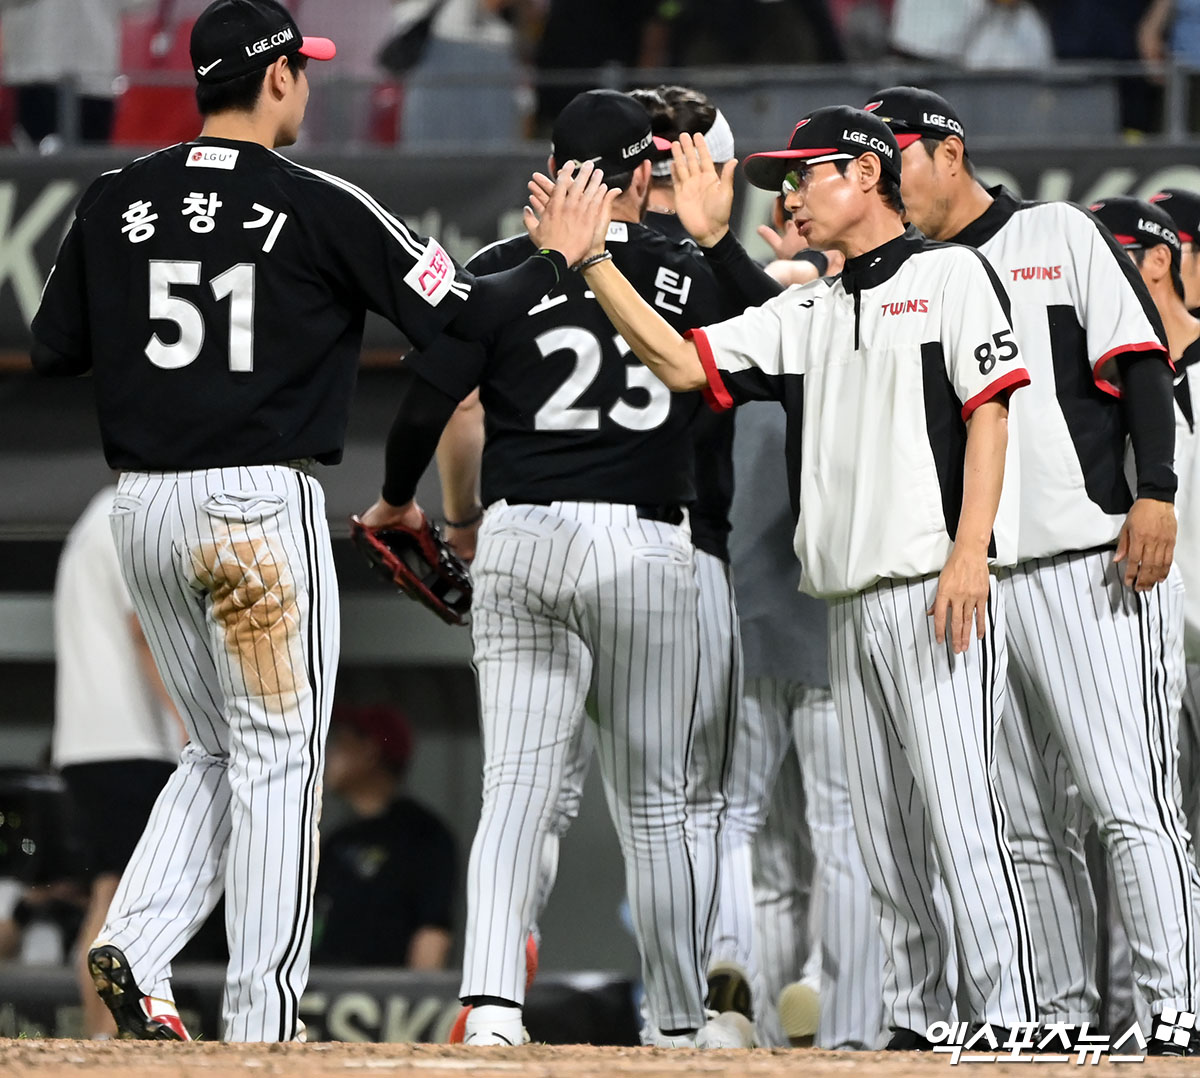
(872,106)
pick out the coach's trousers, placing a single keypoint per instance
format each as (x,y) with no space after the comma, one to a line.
(573,598)
(919,728)
(232,577)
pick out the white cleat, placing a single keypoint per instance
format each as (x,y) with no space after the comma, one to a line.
(490,1026)
(729,1029)
(799,1012)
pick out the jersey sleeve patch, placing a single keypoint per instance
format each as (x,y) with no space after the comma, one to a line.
(715,393)
(433,274)
(1014,379)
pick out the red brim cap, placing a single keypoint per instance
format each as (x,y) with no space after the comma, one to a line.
(662,144)
(767,170)
(318,48)
(907,139)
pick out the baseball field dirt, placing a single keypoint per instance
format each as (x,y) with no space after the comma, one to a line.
(54,1058)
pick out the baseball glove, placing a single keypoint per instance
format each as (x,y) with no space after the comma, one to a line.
(420,564)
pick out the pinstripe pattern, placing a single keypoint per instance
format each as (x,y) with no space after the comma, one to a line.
(808,836)
(1189,751)
(572,598)
(1126,669)
(783,862)
(232,575)
(918,727)
(728,933)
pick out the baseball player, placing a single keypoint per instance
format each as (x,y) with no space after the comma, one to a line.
(808,830)
(1184,209)
(1154,241)
(1094,620)
(726,746)
(217,292)
(584,585)
(894,377)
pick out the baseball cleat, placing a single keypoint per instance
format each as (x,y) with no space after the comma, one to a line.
(730,1029)
(138,1016)
(799,1012)
(458,1031)
(908,1040)
(729,990)
(490,1025)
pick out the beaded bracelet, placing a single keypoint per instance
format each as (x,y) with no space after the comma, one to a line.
(591,260)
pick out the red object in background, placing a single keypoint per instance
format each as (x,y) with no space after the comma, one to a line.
(150,115)
(384,125)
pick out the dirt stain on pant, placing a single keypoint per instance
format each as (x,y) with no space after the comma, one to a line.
(254,602)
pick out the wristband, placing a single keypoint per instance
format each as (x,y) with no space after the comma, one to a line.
(591,260)
(475,518)
(557,259)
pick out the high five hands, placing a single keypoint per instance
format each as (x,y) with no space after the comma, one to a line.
(567,213)
(703,196)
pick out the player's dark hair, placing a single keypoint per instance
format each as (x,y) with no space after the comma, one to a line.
(673,110)
(240,94)
(887,188)
(931,145)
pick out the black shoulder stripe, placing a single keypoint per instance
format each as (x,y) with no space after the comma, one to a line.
(1130,270)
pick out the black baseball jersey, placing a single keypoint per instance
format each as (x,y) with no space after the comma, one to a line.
(217,291)
(572,415)
(712,434)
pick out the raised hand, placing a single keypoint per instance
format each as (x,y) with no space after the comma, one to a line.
(576,209)
(703,197)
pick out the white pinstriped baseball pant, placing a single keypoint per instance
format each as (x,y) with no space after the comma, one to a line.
(572,598)
(232,577)
(919,728)
(1095,682)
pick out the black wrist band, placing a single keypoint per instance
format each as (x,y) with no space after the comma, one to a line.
(558,260)
(474,518)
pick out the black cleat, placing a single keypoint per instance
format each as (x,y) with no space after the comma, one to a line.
(729,990)
(908,1040)
(139,1017)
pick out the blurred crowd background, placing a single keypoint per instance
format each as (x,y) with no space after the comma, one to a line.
(424,73)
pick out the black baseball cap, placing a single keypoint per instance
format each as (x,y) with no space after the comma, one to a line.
(608,128)
(835,133)
(232,38)
(913,113)
(1184,209)
(1136,224)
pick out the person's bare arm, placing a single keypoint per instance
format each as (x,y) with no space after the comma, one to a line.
(429,948)
(963,585)
(653,340)
(459,454)
(150,672)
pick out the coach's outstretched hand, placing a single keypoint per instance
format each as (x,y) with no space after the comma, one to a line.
(703,197)
(567,217)
(1147,543)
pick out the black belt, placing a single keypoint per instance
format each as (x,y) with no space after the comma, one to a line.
(664,514)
